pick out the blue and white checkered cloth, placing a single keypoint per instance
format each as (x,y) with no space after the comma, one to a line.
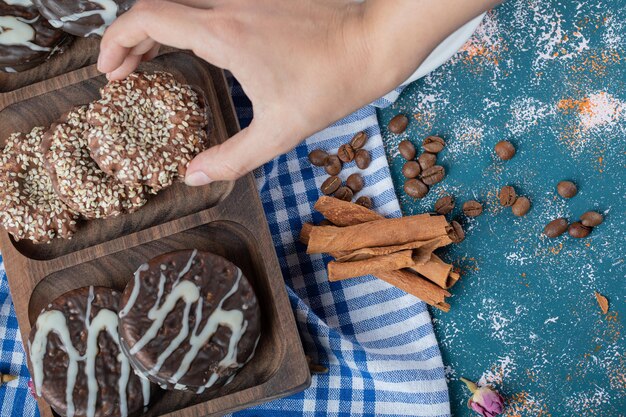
(377,342)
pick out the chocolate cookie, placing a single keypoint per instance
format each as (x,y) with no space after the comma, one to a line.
(26,38)
(75,357)
(83,17)
(76,177)
(146,129)
(29,207)
(189,320)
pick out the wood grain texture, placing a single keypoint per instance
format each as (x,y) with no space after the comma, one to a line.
(226,218)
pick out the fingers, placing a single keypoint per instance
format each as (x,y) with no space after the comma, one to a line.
(129,65)
(156,21)
(244,152)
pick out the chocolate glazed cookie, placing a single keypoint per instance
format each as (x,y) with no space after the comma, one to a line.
(189,321)
(26,38)
(83,17)
(75,357)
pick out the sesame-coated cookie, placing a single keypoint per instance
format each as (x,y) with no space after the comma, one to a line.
(29,207)
(76,177)
(146,129)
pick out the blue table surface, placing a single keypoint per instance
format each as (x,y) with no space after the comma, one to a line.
(550,77)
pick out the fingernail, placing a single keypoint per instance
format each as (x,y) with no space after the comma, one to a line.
(108,75)
(196,179)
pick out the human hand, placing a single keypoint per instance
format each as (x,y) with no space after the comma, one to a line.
(303,63)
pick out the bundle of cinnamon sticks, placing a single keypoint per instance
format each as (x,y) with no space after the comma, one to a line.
(398,251)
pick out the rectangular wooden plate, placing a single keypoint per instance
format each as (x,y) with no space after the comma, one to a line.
(226,218)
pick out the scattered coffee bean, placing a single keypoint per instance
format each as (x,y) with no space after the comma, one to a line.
(433,144)
(344,193)
(472,208)
(556,227)
(415,188)
(364,201)
(362,159)
(355,182)
(358,141)
(427,160)
(318,157)
(455,232)
(566,189)
(505,150)
(407,150)
(411,169)
(521,206)
(326,222)
(444,205)
(591,219)
(331,185)
(507,196)
(433,175)
(333,165)
(345,153)
(578,230)
(398,124)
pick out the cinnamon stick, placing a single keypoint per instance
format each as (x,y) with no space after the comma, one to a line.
(437,271)
(417,286)
(425,246)
(344,213)
(385,232)
(390,262)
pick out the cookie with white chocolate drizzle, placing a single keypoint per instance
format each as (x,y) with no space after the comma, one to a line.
(189,320)
(76,361)
(83,17)
(26,38)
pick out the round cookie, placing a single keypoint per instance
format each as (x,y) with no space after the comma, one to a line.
(26,38)
(76,177)
(83,17)
(146,129)
(75,358)
(189,320)
(29,207)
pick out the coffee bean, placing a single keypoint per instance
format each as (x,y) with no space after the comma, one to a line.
(472,208)
(556,227)
(407,150)
(521,206)
(318,157)
(355,182)
(507,196)
(433,175)
(444,205)
(411,169)
(398,124)
(591,219)
(455,232)
(345,153)
(364,201)
(362,159)
(566,189)
(427,160)
(344,193)
(358,141)
(333,165)
(415,188)
(578,230)
(331,185)
(505,150)
(433,144)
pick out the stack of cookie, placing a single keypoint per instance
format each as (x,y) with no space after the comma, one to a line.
(102,159)
(33,31)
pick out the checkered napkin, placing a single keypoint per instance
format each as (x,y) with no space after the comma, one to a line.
(377,342)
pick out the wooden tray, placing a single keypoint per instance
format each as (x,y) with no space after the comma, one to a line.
(225,218)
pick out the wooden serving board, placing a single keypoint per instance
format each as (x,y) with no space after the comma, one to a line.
(225,218)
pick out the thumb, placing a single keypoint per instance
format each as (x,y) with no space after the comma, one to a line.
(244,152)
